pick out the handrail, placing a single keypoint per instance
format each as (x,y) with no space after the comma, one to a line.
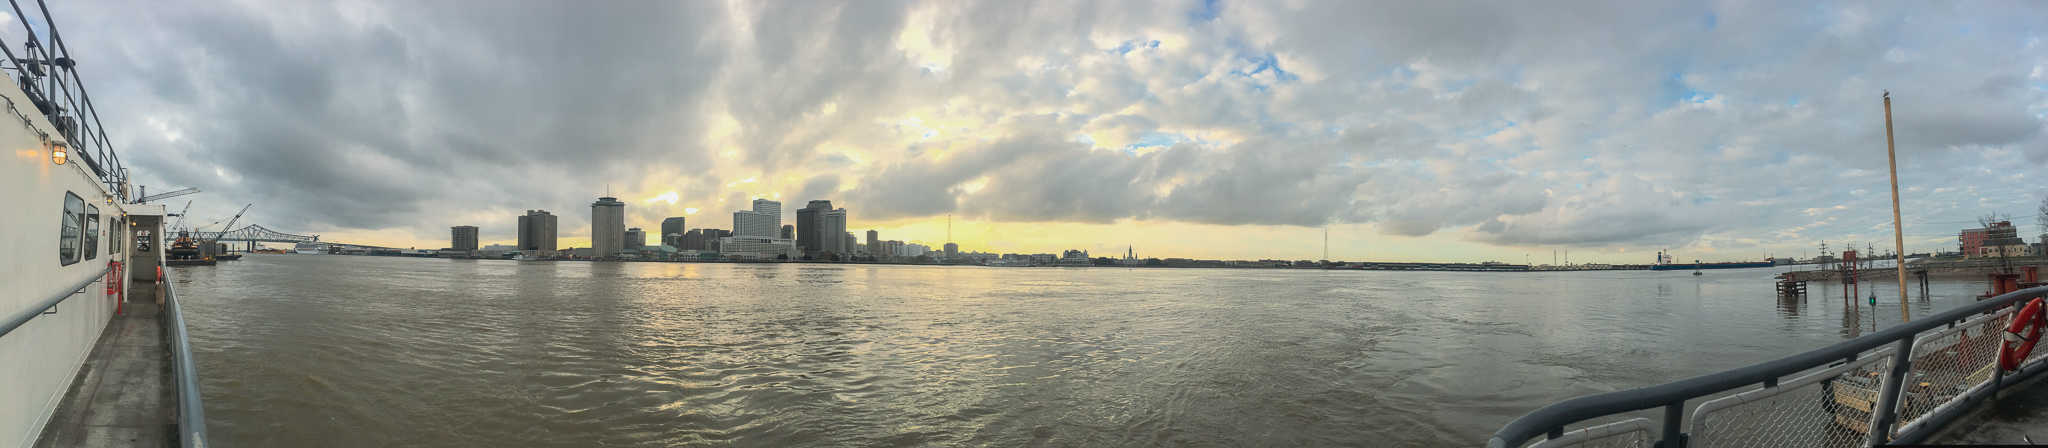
(1552,419)
(30,313)
(191,411)
(46,73)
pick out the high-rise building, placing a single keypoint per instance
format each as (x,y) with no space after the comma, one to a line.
(761,222)
(874,243)
(671,229)
(810,223)
(464,238)
(788,232)
(537,232)
(713,238)
(834,222)
(849,245)
(691,240)
(770,208)
(952,250)
(748,223)
(635,238)
(607,226)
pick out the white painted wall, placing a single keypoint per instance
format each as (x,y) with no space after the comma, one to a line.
(39,359)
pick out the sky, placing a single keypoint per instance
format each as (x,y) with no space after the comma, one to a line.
(1402,130)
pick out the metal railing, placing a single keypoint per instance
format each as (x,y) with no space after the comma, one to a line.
(45,71)
(1852,393)
(49,305)
(191,411)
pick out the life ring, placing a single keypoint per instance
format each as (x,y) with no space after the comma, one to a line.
(2019,344)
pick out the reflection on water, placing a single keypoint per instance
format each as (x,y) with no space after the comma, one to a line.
(367,351)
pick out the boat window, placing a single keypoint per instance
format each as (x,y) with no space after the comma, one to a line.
(92,232)
(115,228)
(67,237)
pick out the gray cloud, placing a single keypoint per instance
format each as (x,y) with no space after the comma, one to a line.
(1640,124)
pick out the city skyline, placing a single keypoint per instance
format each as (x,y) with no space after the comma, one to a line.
(862,236)
(1188,129)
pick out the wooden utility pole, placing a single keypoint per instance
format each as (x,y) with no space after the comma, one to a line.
(1891,151)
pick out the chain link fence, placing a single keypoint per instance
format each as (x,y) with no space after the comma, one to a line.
(1631,433)
(1949,363)
(1829,397)
(1828,408)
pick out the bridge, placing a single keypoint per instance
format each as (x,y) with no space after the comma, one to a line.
(257,233)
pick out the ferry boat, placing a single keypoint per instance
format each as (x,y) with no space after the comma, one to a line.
(83,300)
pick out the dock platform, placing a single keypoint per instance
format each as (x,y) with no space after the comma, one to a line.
(2019,416)
(123,396)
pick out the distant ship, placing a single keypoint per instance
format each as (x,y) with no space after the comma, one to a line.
(309,248)
(1664,264)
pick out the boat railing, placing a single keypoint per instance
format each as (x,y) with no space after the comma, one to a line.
(1895,386)
(191,411)
(46,72)
(49,305)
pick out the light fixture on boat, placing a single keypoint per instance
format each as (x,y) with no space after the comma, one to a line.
(58,153)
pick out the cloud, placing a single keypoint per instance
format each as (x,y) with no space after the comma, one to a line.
(1582,124)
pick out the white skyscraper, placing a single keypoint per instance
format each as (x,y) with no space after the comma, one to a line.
(765,220)
(771,208)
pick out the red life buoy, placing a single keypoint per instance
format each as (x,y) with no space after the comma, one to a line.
(2021,336)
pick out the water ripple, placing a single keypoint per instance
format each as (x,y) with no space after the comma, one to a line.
(365,351)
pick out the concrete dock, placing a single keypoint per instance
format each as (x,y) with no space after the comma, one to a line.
(2019,416)
(123,396)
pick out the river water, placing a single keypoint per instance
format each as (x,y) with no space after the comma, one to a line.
(318,350)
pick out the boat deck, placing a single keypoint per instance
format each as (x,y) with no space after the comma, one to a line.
(2019,416)
(123,396)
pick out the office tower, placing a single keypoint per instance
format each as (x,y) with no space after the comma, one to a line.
(635,238)
(952,250)
(809,223)
(670,229)
(713,238)
(762,221)
(874,243)
(788,232)
(607,226)
(691,240)
(834,223)
(770,208)
(537,231)
(464,238)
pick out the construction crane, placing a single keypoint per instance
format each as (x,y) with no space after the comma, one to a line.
(224,229)
(181,216)
(207,246)
(171,194)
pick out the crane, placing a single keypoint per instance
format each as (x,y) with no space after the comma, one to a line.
(224,229)
(181,216)
(171,194)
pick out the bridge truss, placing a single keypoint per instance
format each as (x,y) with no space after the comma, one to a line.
(255,232)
